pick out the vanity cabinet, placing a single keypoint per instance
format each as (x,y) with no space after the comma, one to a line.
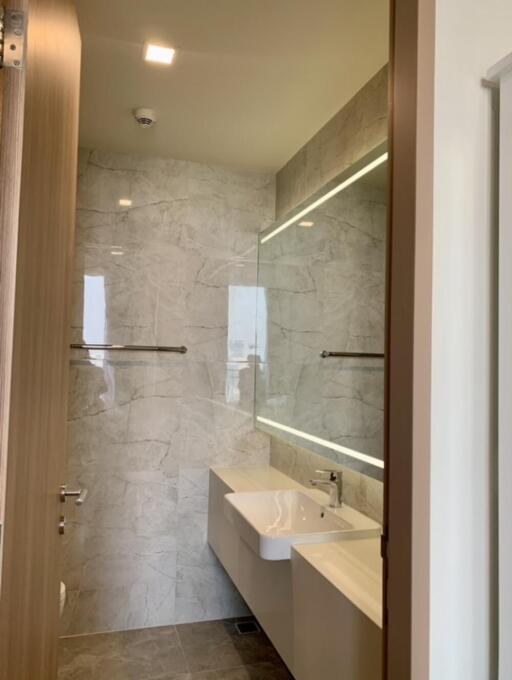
(322,608)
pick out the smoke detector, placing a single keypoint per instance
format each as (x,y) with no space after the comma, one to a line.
(145,118)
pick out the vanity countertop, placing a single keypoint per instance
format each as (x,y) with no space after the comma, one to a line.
(352,566)
(264,478)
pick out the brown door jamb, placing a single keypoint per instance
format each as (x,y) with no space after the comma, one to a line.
(407,436)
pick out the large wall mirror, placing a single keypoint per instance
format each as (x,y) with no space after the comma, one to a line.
(321,320)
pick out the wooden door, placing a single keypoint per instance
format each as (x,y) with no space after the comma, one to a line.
(38,156)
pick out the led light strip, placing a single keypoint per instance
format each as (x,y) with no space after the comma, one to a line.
(350,180)
(324,442)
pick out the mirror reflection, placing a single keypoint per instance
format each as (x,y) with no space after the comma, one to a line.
(321,320)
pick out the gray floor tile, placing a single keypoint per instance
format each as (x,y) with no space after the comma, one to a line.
(169,676)
(217,645)
(211,650)
(264,671)
(127,655)
(205,632)
(212,656)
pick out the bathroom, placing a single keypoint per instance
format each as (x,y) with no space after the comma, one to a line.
(255,378)
(231,229)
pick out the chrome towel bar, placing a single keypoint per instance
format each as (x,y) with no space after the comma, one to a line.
(363,355)
(132,348)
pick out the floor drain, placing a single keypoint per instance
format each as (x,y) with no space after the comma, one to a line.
(246,627)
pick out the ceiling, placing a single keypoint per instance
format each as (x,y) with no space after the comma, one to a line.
(252,81)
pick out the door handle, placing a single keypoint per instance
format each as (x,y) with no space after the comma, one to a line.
(79,494)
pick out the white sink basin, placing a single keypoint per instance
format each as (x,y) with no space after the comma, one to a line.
(270,522)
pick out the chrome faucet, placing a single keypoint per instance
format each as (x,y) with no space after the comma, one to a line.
(334,484)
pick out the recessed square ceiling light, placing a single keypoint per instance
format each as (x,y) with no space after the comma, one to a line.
(306,224)
(159,54)
(125,202)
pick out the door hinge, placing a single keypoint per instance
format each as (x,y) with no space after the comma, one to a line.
(12,38)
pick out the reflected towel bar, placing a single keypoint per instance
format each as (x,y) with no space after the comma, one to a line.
(358,355)
(132,348)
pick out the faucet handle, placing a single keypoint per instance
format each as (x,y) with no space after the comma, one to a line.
(333,474)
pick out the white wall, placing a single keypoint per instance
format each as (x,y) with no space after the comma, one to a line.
(471,35)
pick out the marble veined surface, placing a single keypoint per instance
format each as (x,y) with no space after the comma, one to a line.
(360,126)
(322,287)
(176,267)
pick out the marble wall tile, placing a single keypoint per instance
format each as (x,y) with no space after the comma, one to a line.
(177,267)
(323,288)
(359,491)
(344,269)
(360,126)
(202,588)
